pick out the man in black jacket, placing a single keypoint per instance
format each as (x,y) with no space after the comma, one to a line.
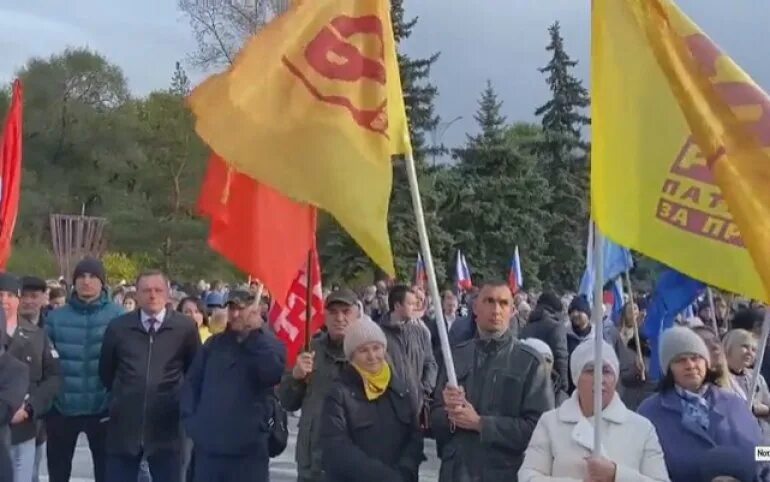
(14,381)
(33,308)
(29,344)
(545,324)
(145,355)
(226,399)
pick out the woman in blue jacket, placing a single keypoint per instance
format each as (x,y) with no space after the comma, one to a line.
(690,413)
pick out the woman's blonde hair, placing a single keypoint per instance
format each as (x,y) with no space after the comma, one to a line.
(737,338)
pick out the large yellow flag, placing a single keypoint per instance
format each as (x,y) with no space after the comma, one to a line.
(313,107)
(680,165)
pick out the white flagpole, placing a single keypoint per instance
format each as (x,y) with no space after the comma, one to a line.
(710,297)
(598,317)
(759,359)
(427,258)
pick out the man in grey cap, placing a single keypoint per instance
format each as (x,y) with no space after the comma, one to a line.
(324,361)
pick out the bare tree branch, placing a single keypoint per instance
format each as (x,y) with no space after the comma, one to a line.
(221,27)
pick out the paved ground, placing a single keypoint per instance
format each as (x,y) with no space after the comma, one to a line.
(282,469)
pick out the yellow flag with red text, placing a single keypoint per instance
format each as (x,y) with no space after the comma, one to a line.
(680,160)
(313,107)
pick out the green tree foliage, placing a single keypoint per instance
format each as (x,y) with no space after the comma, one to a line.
(564,162)
(500,196)
(90,147)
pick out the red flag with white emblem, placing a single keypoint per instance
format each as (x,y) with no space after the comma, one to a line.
(287,319)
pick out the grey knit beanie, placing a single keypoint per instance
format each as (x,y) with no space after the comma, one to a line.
(360,333)
(680,340)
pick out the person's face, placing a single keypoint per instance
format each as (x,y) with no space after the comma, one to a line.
(705,314)
(88,286)
(190,308)
(10,303)
(493,309)
(370,293)
(382,288)
(338,317)
(742,356)
(716,350)
(419,295)
(58,302)
(632,311)
(689,371)
(721,307)
(579,319)
(407,309)
(245,318)
(585,384)
(129,304)
(152,294)
(32,302)
(370,357)
(450,304)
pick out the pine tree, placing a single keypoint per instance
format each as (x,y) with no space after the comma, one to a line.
(419,95)
(180,83)
(564,158)
(501,197)
(489,118)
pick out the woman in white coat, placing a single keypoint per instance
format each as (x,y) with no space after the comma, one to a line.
(561,446)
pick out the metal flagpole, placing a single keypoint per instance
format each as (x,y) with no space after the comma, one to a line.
(759,359)
(710,297)
(427,258)
(636,326)
(598,317)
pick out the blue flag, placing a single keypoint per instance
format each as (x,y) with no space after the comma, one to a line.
(674,292)
(617,260)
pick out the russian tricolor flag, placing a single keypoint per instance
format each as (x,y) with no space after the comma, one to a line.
(420,275)
(515,278)
(463,274)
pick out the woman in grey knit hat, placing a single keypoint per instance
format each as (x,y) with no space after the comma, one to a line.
(369,430)
(691,414)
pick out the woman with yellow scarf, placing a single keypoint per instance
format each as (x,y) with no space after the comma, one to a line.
(369,430)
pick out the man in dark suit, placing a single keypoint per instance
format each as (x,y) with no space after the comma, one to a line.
(145,355)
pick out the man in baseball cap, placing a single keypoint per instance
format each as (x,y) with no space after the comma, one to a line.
(237,301)
(324,361)
(343,296)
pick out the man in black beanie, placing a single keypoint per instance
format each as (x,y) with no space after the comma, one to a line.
(77,330)
(545,324)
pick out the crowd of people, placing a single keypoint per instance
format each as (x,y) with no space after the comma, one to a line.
(169,387)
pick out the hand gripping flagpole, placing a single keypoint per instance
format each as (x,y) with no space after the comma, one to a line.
(427,258)
(598,317)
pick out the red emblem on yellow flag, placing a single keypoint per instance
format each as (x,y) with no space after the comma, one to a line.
(313,108)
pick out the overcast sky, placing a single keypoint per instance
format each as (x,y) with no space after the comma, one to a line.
(500,40)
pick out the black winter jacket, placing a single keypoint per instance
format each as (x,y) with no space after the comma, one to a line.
(369,441)
(144,375)
(31,346)
(545,325)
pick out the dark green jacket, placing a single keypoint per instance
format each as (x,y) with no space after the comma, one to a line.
(507,383)
(309,396)
(76,330)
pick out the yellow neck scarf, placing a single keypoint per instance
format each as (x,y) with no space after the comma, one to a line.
(375,384)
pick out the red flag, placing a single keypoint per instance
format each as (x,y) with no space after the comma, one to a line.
(288,318)
(258,229)
(10,172)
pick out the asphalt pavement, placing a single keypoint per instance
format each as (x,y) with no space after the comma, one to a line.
(282,468)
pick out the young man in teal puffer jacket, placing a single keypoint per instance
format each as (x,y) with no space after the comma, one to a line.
(76,331)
